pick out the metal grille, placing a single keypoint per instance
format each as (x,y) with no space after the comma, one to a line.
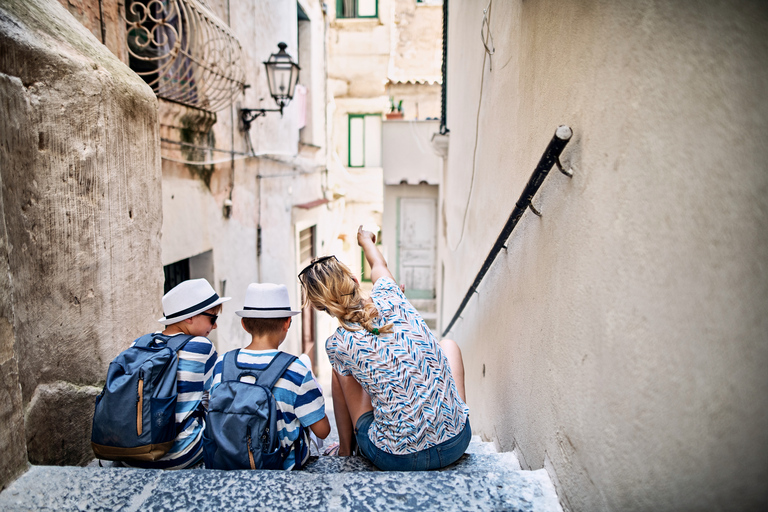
(184,52)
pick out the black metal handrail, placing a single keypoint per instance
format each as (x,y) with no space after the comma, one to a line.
(550,157)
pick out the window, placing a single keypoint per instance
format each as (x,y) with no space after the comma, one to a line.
(364,140)
(175,273)
(308,337)
(357,8)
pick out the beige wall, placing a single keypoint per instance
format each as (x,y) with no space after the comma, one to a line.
(81,208)
(620,341)
(255,243)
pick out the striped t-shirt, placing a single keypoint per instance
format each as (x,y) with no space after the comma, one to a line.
(193,382)
(299,401)
(415,401)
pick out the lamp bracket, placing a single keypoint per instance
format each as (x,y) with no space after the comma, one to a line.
(248,115)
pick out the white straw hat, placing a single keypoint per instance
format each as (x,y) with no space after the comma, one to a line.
(187,299)
(266,300)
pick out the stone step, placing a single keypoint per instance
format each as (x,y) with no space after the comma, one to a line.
(468,463)
(45,488)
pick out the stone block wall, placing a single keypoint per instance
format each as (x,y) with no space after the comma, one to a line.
(81,205)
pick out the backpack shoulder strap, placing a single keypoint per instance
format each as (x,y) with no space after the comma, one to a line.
(144,341)
(176,342)
(229,370)
(275,370)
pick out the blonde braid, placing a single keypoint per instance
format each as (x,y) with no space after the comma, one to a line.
(330,286)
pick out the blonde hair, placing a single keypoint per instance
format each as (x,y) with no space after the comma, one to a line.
(330,286)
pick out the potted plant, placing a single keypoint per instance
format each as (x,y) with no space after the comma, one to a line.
(395,111)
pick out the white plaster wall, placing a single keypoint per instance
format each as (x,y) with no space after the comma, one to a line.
(418,41)
(263,189)
(407,153)
(620,341)
(313,74)
(260,26)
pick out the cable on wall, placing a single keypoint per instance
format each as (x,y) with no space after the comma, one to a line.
(486,54)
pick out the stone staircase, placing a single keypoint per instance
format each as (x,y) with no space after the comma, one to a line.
(481,480)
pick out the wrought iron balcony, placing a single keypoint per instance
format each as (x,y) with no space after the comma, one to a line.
(184,52)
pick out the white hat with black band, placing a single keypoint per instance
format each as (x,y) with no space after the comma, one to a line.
(187,299)
(266,300)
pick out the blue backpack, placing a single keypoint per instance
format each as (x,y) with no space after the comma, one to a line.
(135,415)
(241,428)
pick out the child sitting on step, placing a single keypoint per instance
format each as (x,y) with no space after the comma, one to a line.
(190,308)
(266,316)
(401,390)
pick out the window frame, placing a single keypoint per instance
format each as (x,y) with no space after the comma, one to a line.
(339,11)
(362,116)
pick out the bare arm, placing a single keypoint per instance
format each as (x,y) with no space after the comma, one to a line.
(321,428)
(367,241)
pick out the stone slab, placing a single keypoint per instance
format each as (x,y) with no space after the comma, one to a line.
(45,488)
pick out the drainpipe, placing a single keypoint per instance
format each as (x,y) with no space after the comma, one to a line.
(444,71)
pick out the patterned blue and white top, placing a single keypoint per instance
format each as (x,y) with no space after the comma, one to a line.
(300,402)
(415,401)
(193,382)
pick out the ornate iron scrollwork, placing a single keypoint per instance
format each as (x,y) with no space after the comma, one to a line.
(184,52)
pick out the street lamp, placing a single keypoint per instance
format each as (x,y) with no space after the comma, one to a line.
(282,76)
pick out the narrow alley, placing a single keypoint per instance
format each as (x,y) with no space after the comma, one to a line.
(572,190)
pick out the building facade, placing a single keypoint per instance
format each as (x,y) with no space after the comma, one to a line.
(619,340)
(384,82)
(135,170)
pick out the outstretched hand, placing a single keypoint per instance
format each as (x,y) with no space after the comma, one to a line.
(363,235)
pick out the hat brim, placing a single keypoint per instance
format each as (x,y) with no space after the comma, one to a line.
(250,313)
(177,319)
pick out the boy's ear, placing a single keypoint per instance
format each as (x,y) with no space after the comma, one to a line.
(242,323)
(288,322)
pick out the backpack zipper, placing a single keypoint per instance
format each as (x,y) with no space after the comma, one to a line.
(250,453)
(140,404)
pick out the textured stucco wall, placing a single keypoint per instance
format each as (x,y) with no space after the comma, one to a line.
(13,450)
(81,197)
(620,341)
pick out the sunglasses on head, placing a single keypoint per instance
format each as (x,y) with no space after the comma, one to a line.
(314,262)
(212,317)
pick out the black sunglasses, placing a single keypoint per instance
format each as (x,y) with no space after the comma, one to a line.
(314,262)
(212,317)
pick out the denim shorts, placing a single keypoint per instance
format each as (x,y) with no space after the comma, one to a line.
(436,457)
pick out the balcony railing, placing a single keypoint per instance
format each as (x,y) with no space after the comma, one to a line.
(184,52)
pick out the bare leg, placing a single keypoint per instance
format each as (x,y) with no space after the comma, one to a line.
(341,413)
(350,401)
(453,354)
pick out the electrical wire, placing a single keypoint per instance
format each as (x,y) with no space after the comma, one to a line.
(225,160)
(486,53)
(207,162)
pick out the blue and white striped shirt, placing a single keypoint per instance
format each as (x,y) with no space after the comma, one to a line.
(299,401)
(193,382)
